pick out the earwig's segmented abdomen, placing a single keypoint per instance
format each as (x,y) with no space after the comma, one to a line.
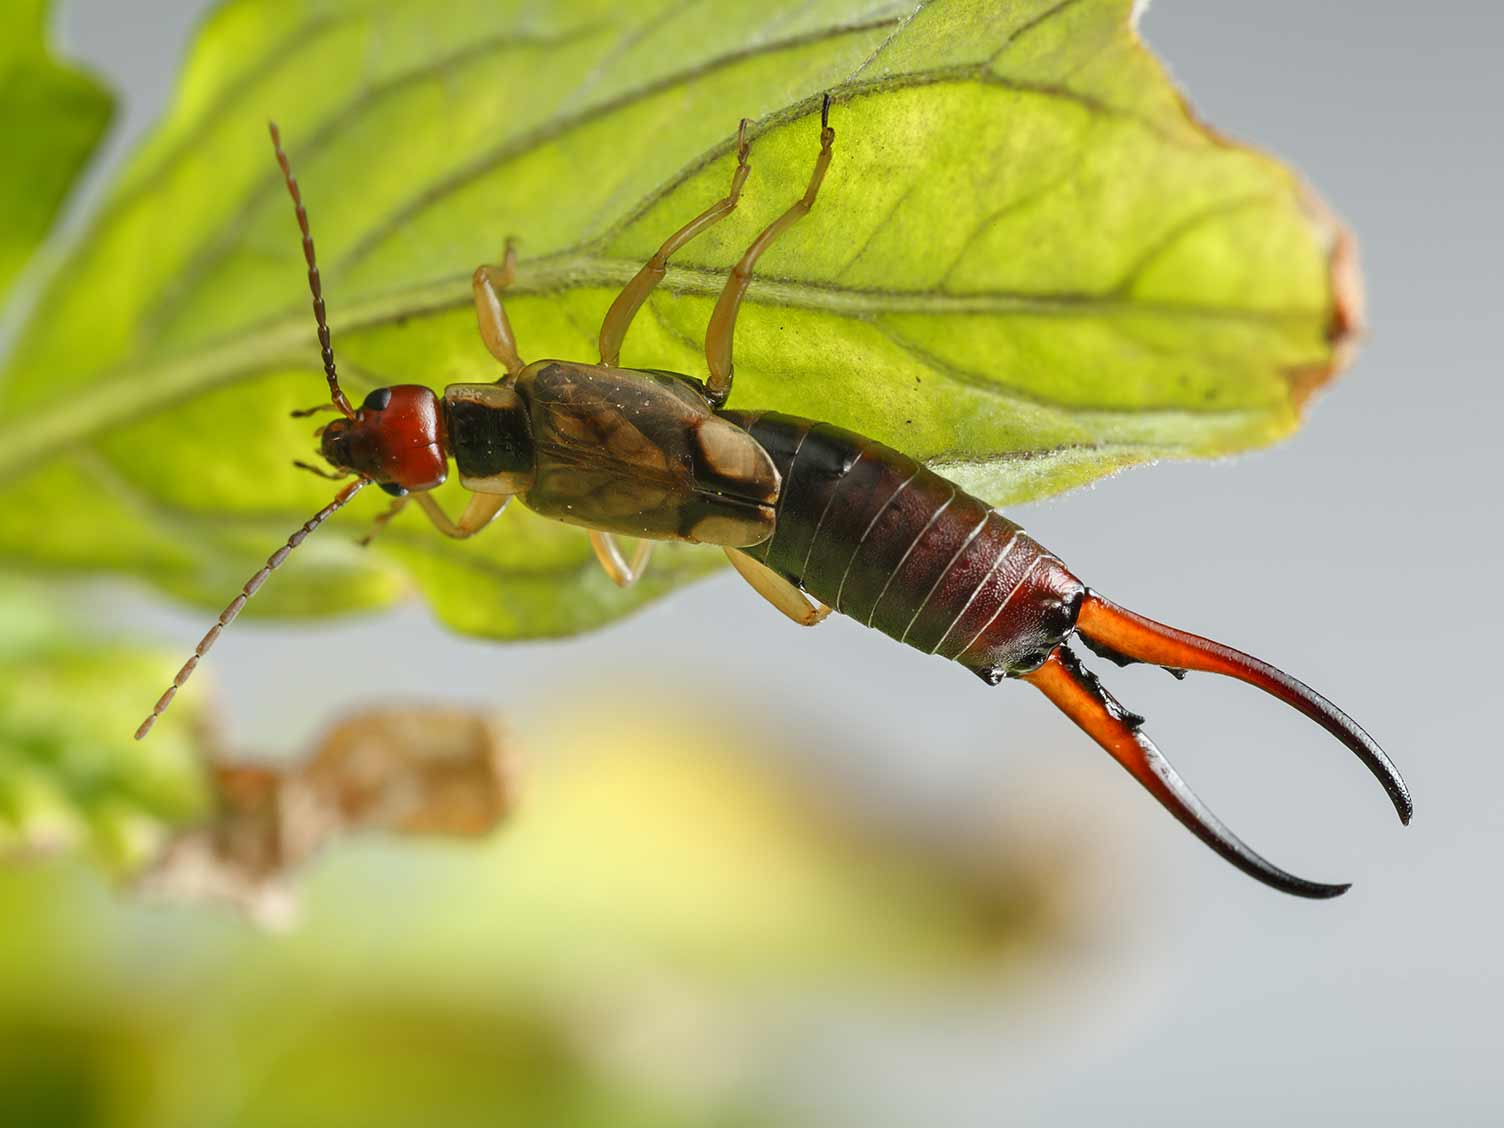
(877,536)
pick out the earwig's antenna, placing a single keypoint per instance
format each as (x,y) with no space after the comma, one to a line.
(314,285)
(227,616)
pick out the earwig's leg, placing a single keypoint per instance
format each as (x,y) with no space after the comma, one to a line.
(722,328)
(634,293)
(480,512)
(609,553)
(491,315)
(777,590)
(383,519)
(1078,694)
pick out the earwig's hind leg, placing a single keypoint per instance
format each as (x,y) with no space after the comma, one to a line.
(383,519)
(608,552)
(491,316)
(776,590)
(480,512)
(634,293)
(1078,694)
(722,328)
(1129,636)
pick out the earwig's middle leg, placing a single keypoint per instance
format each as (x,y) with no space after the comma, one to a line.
(482,509)
(722,327)
(634,293)
(615,564)
(776,590)
(491,315)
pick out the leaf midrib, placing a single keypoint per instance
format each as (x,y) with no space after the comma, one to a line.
(132,390)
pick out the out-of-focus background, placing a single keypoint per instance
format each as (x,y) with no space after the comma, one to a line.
(971,917)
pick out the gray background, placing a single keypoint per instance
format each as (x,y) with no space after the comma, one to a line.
(1362,555)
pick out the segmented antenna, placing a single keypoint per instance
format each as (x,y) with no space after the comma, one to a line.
(314,286)
(227,616)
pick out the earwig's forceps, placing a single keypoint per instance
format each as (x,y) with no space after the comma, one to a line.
(1123,636)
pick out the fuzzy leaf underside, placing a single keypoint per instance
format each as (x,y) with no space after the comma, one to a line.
(1029,266)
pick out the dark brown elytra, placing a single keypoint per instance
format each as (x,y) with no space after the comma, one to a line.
(804,510)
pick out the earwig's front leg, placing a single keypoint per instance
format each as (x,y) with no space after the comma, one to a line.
(609,553)
(480,512)
(383,519)
(491,315)
(629,301)
(722,328)
(777,590)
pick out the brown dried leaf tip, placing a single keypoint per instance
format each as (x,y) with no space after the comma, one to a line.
(423,771)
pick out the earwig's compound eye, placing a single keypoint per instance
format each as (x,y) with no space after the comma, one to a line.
(377,400)
(394,489)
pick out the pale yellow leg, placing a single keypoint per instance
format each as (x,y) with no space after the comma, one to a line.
(777,590)
(383,519)
(722,328)
(479,513)
(609,553)
(491,315)
(634,293)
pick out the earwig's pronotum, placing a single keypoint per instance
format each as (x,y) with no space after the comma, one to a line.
(802,509)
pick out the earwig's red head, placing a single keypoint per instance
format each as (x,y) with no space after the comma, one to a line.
(396,439)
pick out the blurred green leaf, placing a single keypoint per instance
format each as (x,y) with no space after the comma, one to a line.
(668,890)
(680,843)
(1029,266)
(52,117)
(121,1060)
(71,777)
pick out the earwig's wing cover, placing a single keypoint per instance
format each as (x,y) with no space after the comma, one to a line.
(642,453)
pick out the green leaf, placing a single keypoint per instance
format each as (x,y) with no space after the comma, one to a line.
(1029,265)
(71,777)
(52,117)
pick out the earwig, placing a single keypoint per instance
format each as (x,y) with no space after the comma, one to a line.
(814,517)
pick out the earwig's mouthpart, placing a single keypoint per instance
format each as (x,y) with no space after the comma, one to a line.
(1077,693)
(227,616)
(1132,637)
(320,471)
(315,287)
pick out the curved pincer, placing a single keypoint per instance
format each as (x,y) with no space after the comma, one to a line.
(1125,636)
(1077,693)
